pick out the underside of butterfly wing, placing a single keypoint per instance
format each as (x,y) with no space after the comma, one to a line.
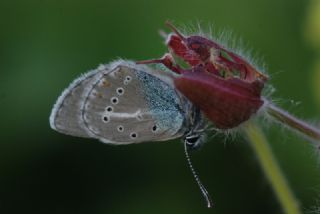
(130,105)
(66,113)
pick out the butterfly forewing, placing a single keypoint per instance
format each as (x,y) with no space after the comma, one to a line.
(127,104)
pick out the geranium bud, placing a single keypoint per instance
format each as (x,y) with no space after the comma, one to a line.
(197,50)
(221,83)
(227,103)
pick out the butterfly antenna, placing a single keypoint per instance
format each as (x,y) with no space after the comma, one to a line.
(196,177)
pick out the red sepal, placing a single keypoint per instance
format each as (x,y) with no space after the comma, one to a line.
(226,102)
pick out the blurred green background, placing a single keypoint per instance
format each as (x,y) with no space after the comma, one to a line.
(45,44)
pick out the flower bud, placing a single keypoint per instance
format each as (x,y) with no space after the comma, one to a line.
(227,103)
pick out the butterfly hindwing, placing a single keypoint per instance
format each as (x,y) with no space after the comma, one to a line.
(66,113)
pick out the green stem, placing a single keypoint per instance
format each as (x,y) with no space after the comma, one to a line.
(293,122)
(271,169)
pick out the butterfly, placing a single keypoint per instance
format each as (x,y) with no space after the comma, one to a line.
(124,103)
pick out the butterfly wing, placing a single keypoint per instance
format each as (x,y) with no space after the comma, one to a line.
(66,116)
(130,104)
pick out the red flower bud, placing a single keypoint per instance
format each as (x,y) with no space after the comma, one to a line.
(227,103)
(196,50)
(222,84)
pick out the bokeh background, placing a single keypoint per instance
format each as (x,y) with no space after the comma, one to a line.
(45,44)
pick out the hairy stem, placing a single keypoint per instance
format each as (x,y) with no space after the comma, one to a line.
(293,122)
(271,169)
